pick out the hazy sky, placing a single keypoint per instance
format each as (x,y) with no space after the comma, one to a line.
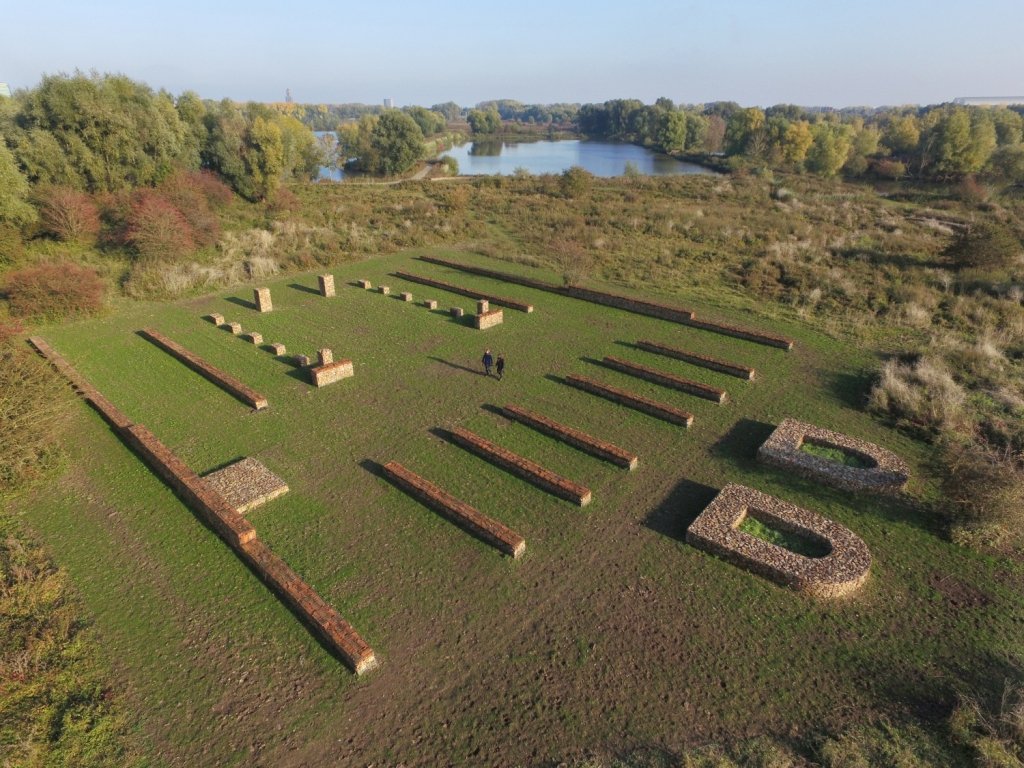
(869,52)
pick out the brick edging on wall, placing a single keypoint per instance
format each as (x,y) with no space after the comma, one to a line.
(521,466)
(225,381)
(469,518)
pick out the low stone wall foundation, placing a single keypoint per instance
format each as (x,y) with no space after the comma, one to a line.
(488,319)
(322,375)
(630,400)
(501,301)
(483,527)
(886,473)
(840,572)
(666,379)
(571,436)
(225,381)
(522,467)
(711,363)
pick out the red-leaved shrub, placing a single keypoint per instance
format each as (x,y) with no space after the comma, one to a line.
(197,195)
(67,214)
(9,331)
(54,291)
(157,229)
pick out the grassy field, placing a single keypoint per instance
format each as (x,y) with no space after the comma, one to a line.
(609,635)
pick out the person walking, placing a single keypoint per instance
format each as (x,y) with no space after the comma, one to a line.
(488,361)
(500,367)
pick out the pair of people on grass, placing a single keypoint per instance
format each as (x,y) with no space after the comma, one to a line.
(488,361)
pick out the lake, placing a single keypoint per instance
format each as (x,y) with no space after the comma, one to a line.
(601,158)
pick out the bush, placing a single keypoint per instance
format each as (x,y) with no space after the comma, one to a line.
(157,229)
(575,182)
(54,291)
(922,395)
(191,194)
(986,245)
(984,491)
(33,405)
(67,214)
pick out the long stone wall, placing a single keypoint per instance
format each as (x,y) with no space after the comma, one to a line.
(231,526)
(478,524)
(631,400)
(666,379)
(703,361)
(840,572)
(572,436)
(501,301)
(630,304)
(523,467)
(225,381)
(886,472)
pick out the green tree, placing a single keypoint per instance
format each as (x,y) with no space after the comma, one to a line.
(484,121)
(796,141)
(902,134)
(397,143)
(449,109)
(191,112)
(672,131)
(829,150)
(1009,126)
(14,191)
(956,141)
(741,127)
(430,123)
(575,182)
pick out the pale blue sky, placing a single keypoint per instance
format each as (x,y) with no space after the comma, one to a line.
(870,52)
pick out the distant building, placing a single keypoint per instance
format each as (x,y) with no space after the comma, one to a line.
(5,90)
(288,96)
(389,103)
(989,101)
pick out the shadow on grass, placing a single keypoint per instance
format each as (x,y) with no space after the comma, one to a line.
(375,468)
(222,465)
(457,366)
(679,509)
(241,302)
(741,442)
(304,288)
(852,388)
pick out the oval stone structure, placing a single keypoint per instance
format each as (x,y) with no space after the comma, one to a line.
(842,571)
(886,472)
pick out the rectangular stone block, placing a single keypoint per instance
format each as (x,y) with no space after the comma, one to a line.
(714,364)
(384,289)
(457,311)
(302,361)
(324,356)
(666,379)
(235,328)
(326,285)
(430,304)
(501,301)
(278,349)
(572,436)
(483,306)
(406,296)
(253,337)
(216,318)
(488,319)
(263,302)
(322,375)
(630,400)
(365,285)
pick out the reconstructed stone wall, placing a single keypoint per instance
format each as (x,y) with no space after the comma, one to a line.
(225,381)
(483,527)
(714,364)
(501,301)
(326,284)
(91,395)
(652,407)
(886,473)
(322,375)
(650,308)
(238,532)
(574,437)
(488,319)
(840,572)
(666,379)
(523,467)
(365,285)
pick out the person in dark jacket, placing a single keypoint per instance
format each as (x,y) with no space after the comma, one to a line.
(500,367)
(488,361)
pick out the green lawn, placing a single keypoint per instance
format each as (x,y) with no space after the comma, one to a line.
(610,632)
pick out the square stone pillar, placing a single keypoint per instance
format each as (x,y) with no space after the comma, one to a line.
(483,306)
(263,302)
(326,285)
(324,356)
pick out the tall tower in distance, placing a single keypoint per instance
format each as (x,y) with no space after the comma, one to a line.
(389,103)
(288,96)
